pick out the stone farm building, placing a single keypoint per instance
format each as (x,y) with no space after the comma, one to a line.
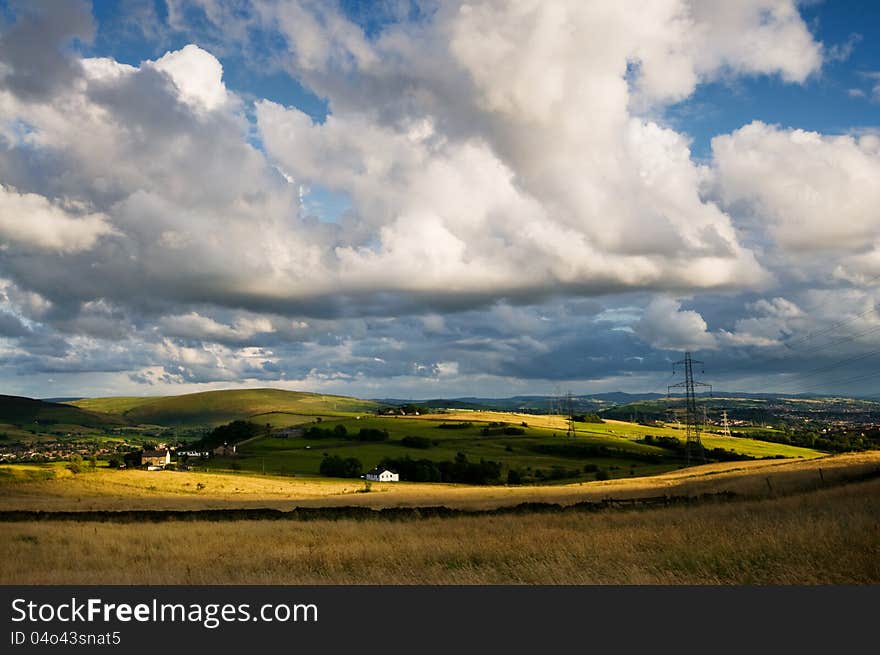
(382,475)
(156,458)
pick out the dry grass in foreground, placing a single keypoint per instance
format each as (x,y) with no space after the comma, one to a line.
(830,536)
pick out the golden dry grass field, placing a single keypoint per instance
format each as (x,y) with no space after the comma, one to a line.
(829,536)
(52,487)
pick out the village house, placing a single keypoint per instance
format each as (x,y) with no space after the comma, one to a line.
(192,454)
(382,475)
(156,459)
(225,450)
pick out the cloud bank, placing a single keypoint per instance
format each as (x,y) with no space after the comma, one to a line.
(505,162)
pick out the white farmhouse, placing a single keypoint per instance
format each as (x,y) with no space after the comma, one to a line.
(382,475)
(155,460)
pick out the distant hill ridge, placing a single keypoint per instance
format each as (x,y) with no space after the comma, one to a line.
(218,407)
(211,408)
(27,412)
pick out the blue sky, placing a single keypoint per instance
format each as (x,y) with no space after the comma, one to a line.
(421,199)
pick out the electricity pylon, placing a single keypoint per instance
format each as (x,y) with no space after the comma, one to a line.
(725,425)
(693,447)
(570,410)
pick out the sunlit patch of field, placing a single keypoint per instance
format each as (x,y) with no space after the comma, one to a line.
(114,404)
(34,487)
(629,431)
(822,537)
(283,419)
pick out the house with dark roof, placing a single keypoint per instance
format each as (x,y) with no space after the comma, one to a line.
(156,459)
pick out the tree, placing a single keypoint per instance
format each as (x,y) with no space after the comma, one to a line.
(75,463)
(334,466)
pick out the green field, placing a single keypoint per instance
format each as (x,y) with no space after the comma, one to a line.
(743,445)
(611,448)
(115,404)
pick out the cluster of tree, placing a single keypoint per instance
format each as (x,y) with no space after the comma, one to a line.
(334,466)
(371,434)
(232,433)
(341,432)
(507,429)
(458,470)
(416,442)
(679,447)
(336,432)
(455,426)
(587,418)
(75,463)
(133,459)
(588,451)
(661,441)
(841,441)
(527,475)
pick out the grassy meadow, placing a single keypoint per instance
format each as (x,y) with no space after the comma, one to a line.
(829,536)
(543,446)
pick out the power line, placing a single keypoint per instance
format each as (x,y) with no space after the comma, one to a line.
(790,344)
(823,369)
(693,446)
(570,410)
(811,351)
(830,328)
(846,381)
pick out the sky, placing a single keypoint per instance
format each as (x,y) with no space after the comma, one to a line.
(422,199)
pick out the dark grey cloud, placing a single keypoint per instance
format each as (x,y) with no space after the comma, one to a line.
(32,46)
(11,326)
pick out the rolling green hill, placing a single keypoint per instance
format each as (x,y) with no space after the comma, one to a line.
(217,407)
(113,405)
(28,413)
(537,451)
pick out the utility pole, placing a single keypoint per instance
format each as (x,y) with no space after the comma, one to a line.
(693,447)
(725,425)
(570,408)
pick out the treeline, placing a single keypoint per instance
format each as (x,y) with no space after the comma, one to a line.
(334,466)
(457,470)
(586,451)
(502,428)
(676,447)
(587,418)
(680,449)
(341,432)
(832,442)
(508,430)
(232,433)
(416,442)
(554,473)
